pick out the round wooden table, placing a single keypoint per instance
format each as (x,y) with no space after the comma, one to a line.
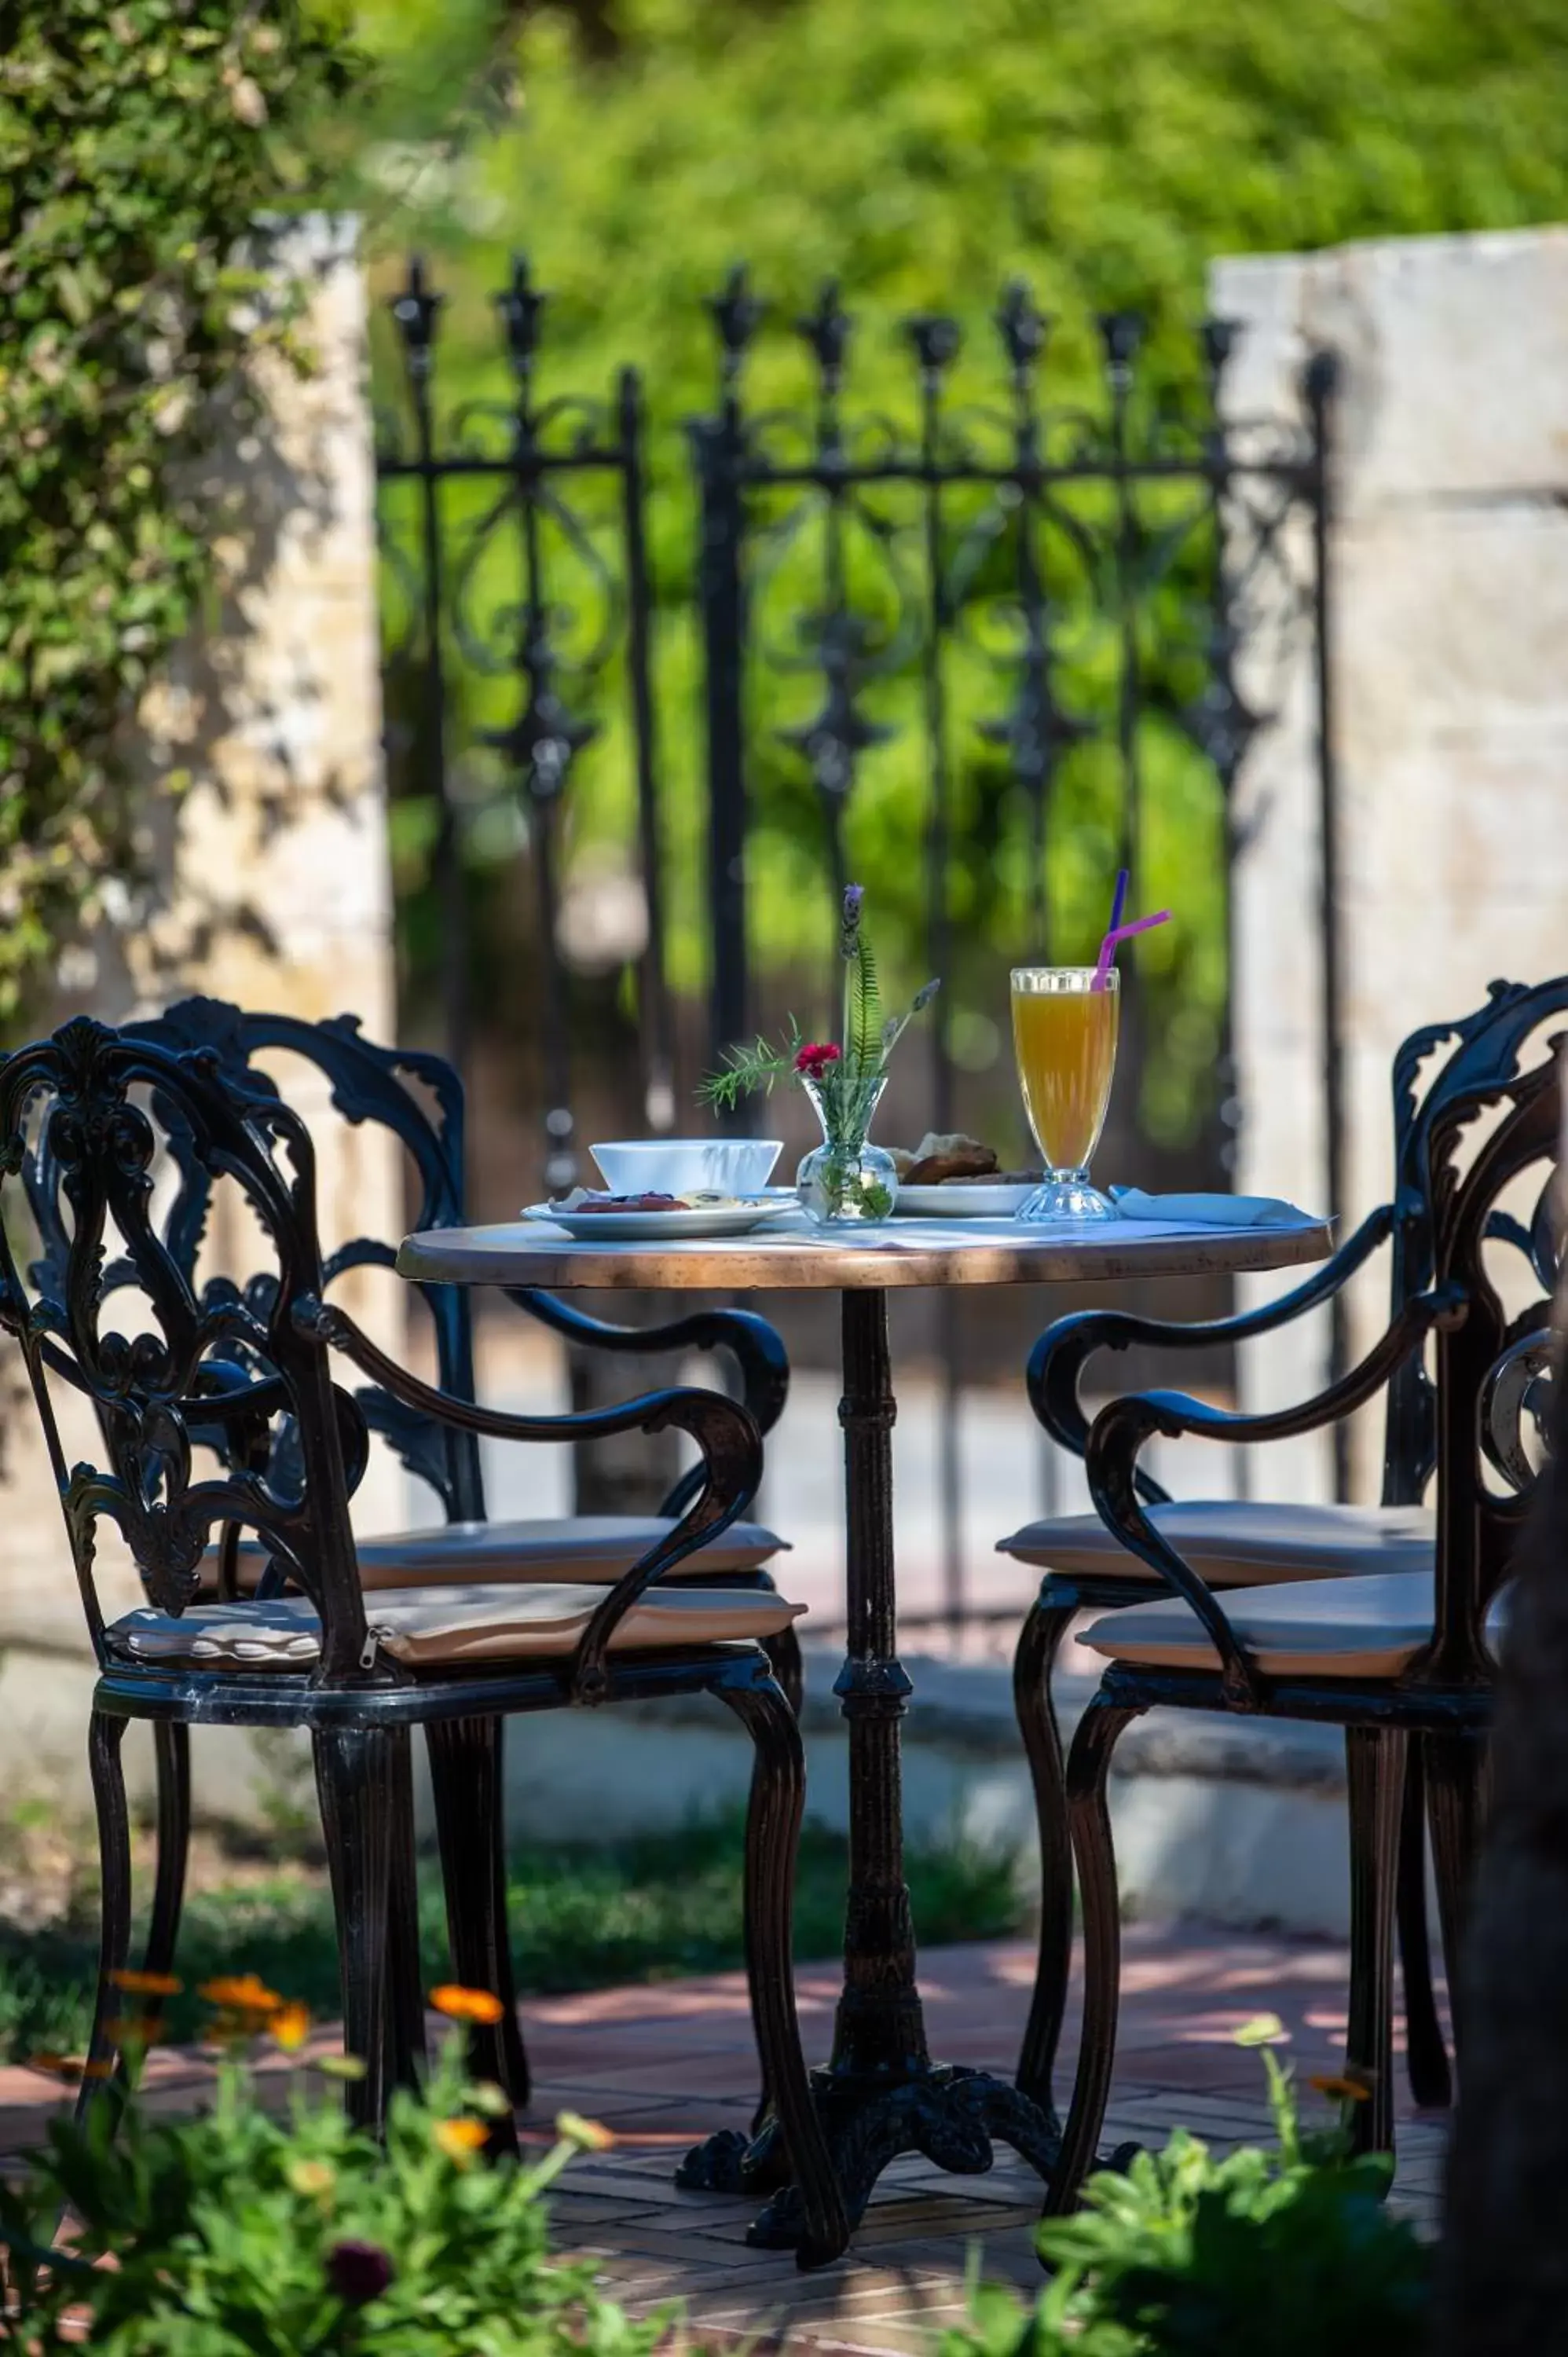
(880,2093)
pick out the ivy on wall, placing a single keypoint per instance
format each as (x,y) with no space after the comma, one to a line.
(138,144)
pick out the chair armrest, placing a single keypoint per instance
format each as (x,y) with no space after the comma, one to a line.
(724,1434)
(755,1345)
(1120,1430)
(1058,1358)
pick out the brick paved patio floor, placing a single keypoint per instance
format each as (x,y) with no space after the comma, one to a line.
(665,2065)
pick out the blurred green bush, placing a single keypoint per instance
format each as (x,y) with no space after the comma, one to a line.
(920,153)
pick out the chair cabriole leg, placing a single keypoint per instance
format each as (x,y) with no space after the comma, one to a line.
(466,1763)
(1375,1772)
(1089,1818)
(1032,1666)
(355,1780)
(406,2054)
(171,1742)
(1426,2055)
(1457,1767)
(105,1736)
(772,1835)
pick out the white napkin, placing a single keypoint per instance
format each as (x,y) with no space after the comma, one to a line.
(1209,1211)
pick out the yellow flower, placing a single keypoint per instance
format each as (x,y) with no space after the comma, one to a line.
(592,2135)
(242,1993)
(146,1984)
(316,2179)
(342,2066)
(290,2027)
(466,2004)
(460,2139)
(1263,2029)
(1343,2090)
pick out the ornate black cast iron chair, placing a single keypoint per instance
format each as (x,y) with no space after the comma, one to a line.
(1235,1544)
(418,1098)
(358,1669)
(1393,1658)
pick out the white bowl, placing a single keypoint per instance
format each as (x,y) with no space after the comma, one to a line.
(687,1165)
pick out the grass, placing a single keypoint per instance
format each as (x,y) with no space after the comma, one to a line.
(583,1916)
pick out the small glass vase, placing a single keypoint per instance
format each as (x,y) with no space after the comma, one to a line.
(846,1182)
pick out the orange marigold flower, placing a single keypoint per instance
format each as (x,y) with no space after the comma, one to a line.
(290,2027)
(466,2004)
(1341,2090)
(459,2139)
(242,1993)
(57,2066)
(137,1983)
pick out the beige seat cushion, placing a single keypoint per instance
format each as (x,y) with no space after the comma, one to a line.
(1371,1627)
(1236,1542)
(451,1626)
(569,1547)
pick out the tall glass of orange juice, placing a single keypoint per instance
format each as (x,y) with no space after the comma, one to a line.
(1065,1022)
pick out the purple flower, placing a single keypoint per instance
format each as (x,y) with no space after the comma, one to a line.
(359,2272)
(849,935)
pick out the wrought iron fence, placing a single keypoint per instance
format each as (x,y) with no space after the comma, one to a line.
(1044,616)
(473,576)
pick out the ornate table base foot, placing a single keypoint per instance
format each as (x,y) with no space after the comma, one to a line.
(949,2114)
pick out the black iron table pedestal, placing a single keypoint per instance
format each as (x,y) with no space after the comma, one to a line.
(881,2095)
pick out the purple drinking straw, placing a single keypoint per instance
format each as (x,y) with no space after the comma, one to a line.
(1120,933)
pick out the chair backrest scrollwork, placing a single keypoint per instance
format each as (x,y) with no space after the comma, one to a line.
(1485,1052)
(418,1099)
(1487,1365)
(97,1110)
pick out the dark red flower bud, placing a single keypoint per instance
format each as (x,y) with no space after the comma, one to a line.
(359,2272)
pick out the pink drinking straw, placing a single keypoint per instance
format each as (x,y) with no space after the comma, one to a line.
(1117,935)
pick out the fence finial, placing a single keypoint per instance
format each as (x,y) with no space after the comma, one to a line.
(1022,328)
(520,308)
(414,308)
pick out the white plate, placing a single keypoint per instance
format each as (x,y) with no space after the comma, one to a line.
(960,1202)
(662,1227)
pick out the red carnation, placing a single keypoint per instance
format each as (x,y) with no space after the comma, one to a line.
(813,1060)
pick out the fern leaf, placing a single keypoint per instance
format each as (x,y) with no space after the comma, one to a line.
(865,1009)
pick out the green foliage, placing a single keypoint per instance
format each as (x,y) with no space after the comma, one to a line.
(1284,2251)
(235,2233)
(583,1915)
(139,141)
(921,152)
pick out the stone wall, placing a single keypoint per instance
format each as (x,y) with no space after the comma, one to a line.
(1449,581)
(267,882)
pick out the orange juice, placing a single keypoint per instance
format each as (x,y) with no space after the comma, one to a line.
(1065,1042)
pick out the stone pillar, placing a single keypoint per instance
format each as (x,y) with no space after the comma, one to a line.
(1449,585)
(267,878)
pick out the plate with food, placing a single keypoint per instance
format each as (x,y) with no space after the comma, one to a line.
(588,1217)
(958,1177)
